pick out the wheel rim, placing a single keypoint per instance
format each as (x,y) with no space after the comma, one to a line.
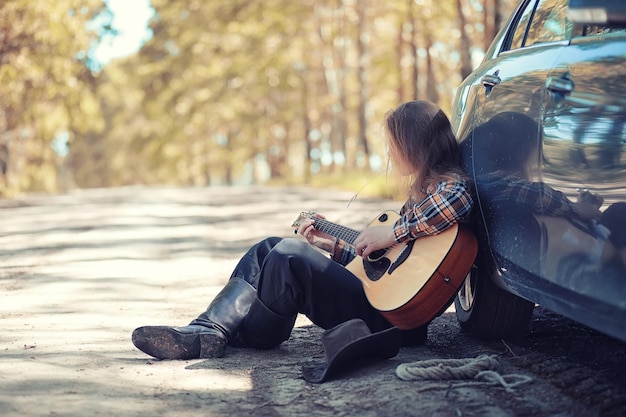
(467,292)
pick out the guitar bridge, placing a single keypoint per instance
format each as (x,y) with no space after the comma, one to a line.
(402,256)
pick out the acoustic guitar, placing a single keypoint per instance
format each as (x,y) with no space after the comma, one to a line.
(412,282)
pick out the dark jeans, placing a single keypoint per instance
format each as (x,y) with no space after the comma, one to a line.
(293,277)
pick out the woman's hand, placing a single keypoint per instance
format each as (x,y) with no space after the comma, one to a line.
(588,205)
(374,238)
(588,210)
(315,237)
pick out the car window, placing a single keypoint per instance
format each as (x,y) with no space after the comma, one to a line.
(549,23)
(519,36)
(542,21)
(595,30)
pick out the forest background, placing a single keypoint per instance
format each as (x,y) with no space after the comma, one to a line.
(224,92)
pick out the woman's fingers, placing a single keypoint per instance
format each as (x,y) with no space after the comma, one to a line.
(304,226)
(372,239)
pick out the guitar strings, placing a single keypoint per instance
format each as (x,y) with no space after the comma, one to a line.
(354,197)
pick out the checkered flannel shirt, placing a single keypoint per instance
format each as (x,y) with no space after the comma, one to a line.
(446,203)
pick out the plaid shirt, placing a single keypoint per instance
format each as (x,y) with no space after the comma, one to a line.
(537,197)
(446,203)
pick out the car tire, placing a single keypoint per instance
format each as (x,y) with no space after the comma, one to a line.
(486,311)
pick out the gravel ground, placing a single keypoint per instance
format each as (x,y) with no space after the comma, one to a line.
(78,272)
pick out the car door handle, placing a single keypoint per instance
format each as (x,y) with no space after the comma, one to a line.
(492,80)
(562,85)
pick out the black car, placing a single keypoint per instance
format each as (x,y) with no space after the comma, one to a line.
(541,127)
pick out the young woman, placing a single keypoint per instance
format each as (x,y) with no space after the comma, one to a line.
(279,278)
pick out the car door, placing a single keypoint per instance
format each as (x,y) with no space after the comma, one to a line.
(584,147)
(507,95)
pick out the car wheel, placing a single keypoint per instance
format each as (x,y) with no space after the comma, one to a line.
(486,311)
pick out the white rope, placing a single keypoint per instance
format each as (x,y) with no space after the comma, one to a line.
(482,369)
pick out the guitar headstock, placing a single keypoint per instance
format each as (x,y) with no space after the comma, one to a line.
(305,215)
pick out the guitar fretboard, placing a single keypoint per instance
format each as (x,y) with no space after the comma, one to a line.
(336,230)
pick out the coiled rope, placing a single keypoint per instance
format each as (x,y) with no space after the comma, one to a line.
(482,369)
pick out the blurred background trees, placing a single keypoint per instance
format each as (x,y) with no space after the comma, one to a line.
(224,92)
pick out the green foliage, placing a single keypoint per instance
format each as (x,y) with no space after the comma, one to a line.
(42,84)
(224,91)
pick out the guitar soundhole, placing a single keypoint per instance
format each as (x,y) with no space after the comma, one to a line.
(376,255)
(376,269)
(383,217)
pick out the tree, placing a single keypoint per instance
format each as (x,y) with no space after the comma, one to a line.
(43,80)
(223,91)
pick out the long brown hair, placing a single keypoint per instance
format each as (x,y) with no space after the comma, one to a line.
(420,135)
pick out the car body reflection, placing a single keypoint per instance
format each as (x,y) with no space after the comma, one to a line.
(541,125)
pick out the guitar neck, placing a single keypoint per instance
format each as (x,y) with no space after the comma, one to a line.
(336,230)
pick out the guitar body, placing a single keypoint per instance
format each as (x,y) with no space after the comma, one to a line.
(425,281)
(409,283)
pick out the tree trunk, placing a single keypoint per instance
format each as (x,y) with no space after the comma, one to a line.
(488,22)
(306,125)
(466,60)
(399,57)
(340,125)
(497,16)
(413,49)
(362,51)
(431,80)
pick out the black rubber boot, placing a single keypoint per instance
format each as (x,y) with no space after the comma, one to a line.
(264,329)
(207,335)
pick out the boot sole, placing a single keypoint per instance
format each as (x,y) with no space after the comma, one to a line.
(164,342)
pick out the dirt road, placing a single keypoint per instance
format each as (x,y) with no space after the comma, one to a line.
(79,272)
